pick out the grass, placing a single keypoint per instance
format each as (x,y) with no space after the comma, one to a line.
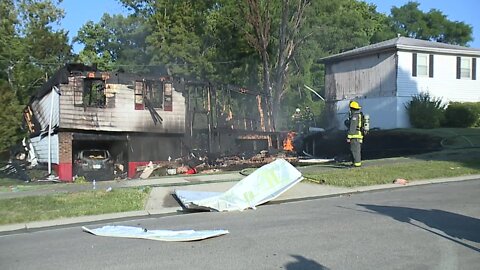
(386,173)
(36,208)
(453,137)
(461,156)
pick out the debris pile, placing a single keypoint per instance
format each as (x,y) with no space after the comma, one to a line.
(193,164)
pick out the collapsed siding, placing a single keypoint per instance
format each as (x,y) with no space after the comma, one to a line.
(42,109)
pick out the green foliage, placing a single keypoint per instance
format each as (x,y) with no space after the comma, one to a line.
(30,51)
(80,180)
(425,111)
(29,47)
(346,24)
(410,21)
(10,118)
(116,42)
(460,115)
(475,108)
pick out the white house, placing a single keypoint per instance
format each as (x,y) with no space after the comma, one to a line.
(383,77)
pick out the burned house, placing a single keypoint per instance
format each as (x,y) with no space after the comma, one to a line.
(132,120)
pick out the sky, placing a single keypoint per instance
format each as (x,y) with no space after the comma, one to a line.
(78,12)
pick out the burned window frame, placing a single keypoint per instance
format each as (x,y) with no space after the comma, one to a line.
(90,91)
(158,93)
(94,93)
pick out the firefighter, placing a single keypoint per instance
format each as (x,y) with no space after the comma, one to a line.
(309,117)
(355,132)
(297,120)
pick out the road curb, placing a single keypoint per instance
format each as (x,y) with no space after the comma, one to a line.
(112,217)
(383,187)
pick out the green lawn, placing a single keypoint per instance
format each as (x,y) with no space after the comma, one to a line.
(386,173)
(453,137)
(35,208)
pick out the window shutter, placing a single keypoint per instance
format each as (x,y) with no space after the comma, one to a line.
(430,66)
(414,64)
(474,68)
(458,67)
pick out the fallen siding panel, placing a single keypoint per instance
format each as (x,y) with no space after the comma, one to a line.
(159,235)
(263,185)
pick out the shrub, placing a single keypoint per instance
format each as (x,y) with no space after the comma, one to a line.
(475,107)
(460,115)
(425,111)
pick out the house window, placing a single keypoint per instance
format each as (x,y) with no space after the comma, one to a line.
(422,65)
(466,68)
(138,95)
(149,93)
(168,96)
(94,93)
(154,93)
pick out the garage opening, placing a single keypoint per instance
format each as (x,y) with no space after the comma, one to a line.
(100,158)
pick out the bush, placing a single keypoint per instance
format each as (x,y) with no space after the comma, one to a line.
(425,111)
(475,107)
(460,115)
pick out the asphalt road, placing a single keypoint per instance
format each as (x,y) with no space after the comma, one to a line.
(423,227)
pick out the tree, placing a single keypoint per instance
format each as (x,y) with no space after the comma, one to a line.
(259,15)
(116,42)
(30,51)
(408,20)
(10,123)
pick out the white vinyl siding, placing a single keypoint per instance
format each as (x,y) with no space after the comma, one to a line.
(40,146)
(444,84)
(384,112)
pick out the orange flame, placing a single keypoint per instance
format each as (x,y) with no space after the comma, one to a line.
(288,142)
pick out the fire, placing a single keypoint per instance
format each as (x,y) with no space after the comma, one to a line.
(288,142)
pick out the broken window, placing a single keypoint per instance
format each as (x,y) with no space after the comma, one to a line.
(139,95)
(94,93)
(156,93)
(168,96)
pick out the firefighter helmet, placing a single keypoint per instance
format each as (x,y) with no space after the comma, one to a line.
(355,105)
